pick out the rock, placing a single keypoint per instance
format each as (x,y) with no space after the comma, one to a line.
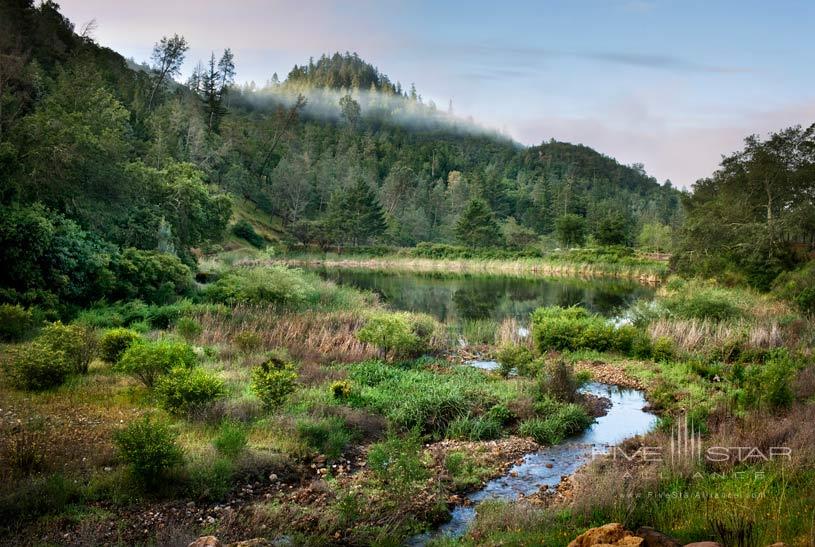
(256,542)
(779,544)
(206,541)
(655,538)
(549,466)
(606,535)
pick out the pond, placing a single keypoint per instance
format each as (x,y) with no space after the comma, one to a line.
(456,297)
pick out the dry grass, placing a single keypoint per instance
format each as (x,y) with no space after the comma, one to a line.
(509,332)
(321,337)
(704,336)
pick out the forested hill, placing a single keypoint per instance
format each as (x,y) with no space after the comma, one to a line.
(110,158)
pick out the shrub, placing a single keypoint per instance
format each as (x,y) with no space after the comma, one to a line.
(464,471)
(500,414)
(698,302)
(183,389)
(76,342)
(277,285)
(150,448)
(244,230)
(557,380)
(247,341)
(36,366)
(513,357)
(188,328)
(152,276)
(327,436)
(770,385)
(340,389)
(798,287)
(147,360)
(273,380)
(393,334)
(209,478)
(114,342)
(570,329)
(663,349)
(231,439)
(15,322)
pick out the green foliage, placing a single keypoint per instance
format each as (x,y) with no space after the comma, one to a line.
(209,478)
(183,389)
(149,447)
(571,230)
(231,439)
(464,471)
(276,285)
(565,421)
(394,334)
(341,389)
(514,357)
(273,380)
(697,301)
(475,428)
(798,287)
(397,461)
(769,385)
(574,328)
(655,237)
(146,360)
(152,276)
(188,328)
(244,230)
(476,227)
(355,215)
(663,350)
(614,227)
(114,342)
(77,343)
(558,381)
(327,436)
(247,341)
(36,366)
(15,322)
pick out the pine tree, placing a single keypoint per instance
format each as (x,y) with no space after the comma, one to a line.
(476,227)
(165,237)
(355,215)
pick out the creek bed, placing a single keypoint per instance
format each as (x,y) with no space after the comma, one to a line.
(624,419)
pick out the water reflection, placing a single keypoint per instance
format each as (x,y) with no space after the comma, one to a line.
(455,297)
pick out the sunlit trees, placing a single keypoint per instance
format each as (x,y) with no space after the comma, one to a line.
(168,56)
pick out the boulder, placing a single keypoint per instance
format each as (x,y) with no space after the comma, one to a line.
(206,541)
(612,534)
(655,538)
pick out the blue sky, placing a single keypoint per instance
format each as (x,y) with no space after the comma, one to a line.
(672,84)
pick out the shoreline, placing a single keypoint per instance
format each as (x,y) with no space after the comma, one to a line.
(521,267)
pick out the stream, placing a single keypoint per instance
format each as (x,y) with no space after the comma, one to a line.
(625,418)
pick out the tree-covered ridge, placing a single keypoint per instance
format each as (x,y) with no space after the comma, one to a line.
(338,71)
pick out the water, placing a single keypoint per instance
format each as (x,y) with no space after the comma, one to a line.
(626,418)
(456,297)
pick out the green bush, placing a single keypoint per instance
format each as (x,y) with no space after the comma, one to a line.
(15,322)
(188,328)
(247,341)
(328,436)
(341,389)
(114,342)
(76,342)
(36,367)
(209,478)
(147,360)
(152,276)
(663,349)
(514,357)
(558,381)
(398,334)
(149,447)
(501,414)
(575,328)
(770,384)
(183,389)
(694,301)
(244,230)
(798,287)
(231,439)
(276,285)
(273,380)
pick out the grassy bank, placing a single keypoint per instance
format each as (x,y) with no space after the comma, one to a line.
(577,263)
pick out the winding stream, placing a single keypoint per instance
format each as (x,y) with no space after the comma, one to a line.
(626,418)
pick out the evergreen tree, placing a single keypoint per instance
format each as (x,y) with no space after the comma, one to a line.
(355,215)
(571,230)
(476,226)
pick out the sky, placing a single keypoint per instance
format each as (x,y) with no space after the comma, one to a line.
(672,84)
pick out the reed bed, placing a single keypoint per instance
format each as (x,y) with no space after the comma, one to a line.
(314,336)
(651,274)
